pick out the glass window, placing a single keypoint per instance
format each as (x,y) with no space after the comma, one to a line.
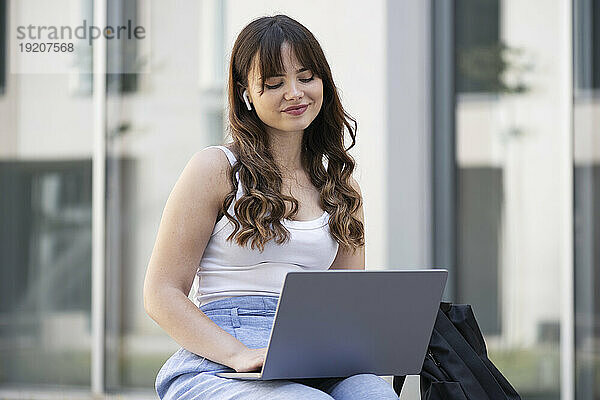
(3,61)
(45,283)
(122,54)
(477,42)
(586,175)
(508,120)
(45,209)
(479,184)
(586,34)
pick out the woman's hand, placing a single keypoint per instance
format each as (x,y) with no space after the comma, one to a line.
(249,360)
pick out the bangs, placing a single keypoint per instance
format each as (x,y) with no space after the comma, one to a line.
(270,48)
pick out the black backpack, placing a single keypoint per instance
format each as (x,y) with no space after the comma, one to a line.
(456,366)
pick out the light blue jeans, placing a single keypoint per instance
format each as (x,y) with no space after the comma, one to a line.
(186,375)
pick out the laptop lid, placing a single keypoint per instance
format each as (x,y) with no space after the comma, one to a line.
(338,323)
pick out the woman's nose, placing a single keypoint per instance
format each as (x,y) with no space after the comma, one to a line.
(293,92)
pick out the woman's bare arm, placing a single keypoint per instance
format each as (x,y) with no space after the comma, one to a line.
(185,228)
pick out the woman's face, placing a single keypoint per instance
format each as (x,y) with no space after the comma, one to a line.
(298,86)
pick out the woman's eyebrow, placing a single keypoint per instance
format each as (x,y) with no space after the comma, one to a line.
(300,70)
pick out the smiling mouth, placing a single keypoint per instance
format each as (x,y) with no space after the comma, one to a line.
(296,110)
(296,107)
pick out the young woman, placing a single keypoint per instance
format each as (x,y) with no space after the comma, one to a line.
(277,207)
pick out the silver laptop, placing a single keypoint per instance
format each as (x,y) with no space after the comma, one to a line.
(338,323)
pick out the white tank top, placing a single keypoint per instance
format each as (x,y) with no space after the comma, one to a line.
(227,269)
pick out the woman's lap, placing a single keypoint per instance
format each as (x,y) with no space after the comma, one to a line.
(355,387)
(208,386)
(362,386)
(186,375)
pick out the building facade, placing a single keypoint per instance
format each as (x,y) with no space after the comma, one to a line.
(478,150)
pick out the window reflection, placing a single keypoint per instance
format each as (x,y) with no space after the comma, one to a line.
(45,279)
(586,175)
(508,230)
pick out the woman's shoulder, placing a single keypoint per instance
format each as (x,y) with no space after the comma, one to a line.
(210,159)
(212,165)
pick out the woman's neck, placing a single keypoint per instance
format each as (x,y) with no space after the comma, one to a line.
(286,148)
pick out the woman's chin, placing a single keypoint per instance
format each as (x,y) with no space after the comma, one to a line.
(298,125)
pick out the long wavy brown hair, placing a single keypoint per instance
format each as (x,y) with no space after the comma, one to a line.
(260,210)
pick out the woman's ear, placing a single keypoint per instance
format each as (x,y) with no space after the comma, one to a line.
(240,90)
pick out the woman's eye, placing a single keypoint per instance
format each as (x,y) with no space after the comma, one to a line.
(305,80)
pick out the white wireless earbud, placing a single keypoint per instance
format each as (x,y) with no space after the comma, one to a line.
(245,96)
